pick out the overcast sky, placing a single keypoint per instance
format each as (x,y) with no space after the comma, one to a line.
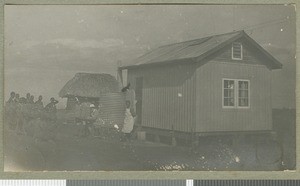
(45,45)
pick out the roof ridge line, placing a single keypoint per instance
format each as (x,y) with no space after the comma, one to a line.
(207,36)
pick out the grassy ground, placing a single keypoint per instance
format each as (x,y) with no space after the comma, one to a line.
(70,152)
(284,123)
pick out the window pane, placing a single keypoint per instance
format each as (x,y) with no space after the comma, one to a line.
(228,102)
(228,93)
(243,84)
(243,97)
(243,93)
(237,50)
(226,83)
(243,102)
(229,84)
(225,102)
(231,103)
(231,93)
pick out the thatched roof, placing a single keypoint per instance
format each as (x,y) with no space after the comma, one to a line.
(90,85)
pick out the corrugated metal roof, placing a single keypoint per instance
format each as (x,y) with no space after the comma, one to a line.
(187,49)
(195,49)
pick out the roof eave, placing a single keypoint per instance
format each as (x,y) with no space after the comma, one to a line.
(159,63)
(275,63)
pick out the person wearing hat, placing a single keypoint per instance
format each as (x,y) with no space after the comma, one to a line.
(50,108)
(90,119)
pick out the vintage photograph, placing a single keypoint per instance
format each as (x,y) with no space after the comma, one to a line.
(149,87)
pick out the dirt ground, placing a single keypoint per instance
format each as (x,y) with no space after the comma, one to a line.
(72,153)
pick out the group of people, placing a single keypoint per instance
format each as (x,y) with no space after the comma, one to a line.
(20,110)
(88,116)
(91,123)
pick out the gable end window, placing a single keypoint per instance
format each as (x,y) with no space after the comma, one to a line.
(237,51)
(236,93)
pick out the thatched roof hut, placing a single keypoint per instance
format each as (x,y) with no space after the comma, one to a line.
(99,89)
(90,85)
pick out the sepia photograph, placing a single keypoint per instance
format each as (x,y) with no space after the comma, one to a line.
(173,87)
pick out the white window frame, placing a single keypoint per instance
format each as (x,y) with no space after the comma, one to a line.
(237,84)
(236,94)
(234,90)
(234,58)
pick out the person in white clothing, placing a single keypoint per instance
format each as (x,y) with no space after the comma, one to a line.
(128,122)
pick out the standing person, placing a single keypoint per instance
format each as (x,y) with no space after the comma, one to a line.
(12,97)
(28,97)
(128,122)
(26,108)
(39,103)
(130,96)
(77,111)
(20,116)
(78,120)
(31,100)
(96,120)
(85,114)
(17,98)
(82,114)
(51,109)
(10,111)
(22,100)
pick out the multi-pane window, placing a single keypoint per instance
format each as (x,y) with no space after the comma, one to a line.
(236,93)
(229,93)
(243,94)
(237,51)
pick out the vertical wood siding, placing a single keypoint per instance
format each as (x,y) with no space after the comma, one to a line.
(168,96)
(210,115)
(189,97)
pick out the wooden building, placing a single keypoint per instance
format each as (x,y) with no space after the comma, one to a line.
(219,83)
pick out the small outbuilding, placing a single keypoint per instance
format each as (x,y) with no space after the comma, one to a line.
(100,89)
(220,83)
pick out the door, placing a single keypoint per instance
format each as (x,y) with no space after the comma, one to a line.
(139,98)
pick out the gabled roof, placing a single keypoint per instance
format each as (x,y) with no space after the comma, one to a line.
(198,49)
